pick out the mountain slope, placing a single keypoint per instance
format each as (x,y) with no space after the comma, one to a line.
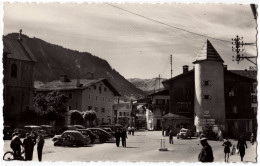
(54,60)
(147,85)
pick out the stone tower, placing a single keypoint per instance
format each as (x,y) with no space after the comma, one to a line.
(209,101)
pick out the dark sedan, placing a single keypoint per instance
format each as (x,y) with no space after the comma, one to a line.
(103,135)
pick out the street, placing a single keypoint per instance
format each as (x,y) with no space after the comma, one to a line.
(143,146)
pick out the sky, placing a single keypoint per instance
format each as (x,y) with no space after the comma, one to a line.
(135,46)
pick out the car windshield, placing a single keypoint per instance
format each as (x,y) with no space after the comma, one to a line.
(183,130)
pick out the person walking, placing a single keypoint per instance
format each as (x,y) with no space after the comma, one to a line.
(227,144)
(171,137)
(28,145)
(241,146)
(129,130)
(117,136)
(40,144)
(123,138)
(16,144)
(206,153)
(133,130)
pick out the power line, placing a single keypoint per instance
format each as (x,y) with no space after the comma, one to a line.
(166,24)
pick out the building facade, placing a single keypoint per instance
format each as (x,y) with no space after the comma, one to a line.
(211,95)
(18,64)
(86,94)
(123,113)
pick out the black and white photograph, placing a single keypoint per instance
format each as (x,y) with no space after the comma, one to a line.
(130,82)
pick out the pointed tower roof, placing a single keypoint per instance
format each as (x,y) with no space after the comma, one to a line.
(208,52)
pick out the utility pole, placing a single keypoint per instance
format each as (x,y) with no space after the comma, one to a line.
(171,64)
(238,44)
(159,82)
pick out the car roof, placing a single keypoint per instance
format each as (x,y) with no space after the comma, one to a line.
(33,126)
(46,126)
(71,131)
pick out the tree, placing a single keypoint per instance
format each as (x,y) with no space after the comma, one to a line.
(76,117)
(56,101)
(89,116)
(40,101)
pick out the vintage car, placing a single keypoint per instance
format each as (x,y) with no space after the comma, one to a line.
(184,134)
(71,138)
(7,132)
(93,137)
(50,131)
(109,130)
(60,129)
(79,126)
(103,135)
(33,129)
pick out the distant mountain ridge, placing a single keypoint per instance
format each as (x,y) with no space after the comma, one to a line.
(54,60)
(148,85)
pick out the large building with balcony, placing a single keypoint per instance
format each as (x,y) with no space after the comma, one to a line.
(212,95)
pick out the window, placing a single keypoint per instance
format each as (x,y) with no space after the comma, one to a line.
(254,88)
(120,113)
(127,106)
(103,98)
(89,107)
(96,109)
(206,97)
(124,113)
(14,70)
(234,109)
(12,100)
(206,83)
(100,89)
(231,91)
(89,96)
(160,101)
(69,107)
(184,106)
(102,109)
(105,89)
(253,98)
(94,86)
(115,112)
(70,95)
(109,99)
(96,98)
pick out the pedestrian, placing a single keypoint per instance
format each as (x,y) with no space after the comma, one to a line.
(123,138)
(168,130)
(252,139)
(15,145)
(129,130)
(220,135)
(163,131)
(206,153)
(171,137)
(117,136)
(28,145)
(227,144)
(133,130)
(241,146)
(40,144)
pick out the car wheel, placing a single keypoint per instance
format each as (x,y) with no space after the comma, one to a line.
(79,143)
(177,137)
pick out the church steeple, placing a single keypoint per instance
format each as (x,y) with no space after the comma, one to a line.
(208,52)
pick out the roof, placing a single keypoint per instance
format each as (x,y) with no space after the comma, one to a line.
(208,52)
(245,73)
(179,76)
(175,116)
(72,85)
(163,92)
(17,49)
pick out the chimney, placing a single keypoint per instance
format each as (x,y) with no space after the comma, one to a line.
(63,78)
(20,34)
(90,76)
(225,67)
(185,69)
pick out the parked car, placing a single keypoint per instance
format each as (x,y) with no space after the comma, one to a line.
(50,131)
(34,130)
(112,127)
(71,138)
(60,129)
(8,131)
(107,129)
(184,133)
(79,126)
(103,135)
(93,137)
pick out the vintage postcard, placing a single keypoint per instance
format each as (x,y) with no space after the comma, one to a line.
(129,82)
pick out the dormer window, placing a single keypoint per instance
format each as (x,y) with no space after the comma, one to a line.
(14,70)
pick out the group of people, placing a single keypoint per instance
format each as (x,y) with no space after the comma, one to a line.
(28,144)
(131,130)
(120,134)
(206,154)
